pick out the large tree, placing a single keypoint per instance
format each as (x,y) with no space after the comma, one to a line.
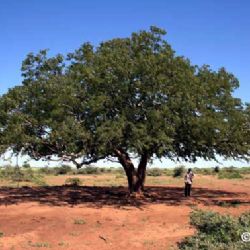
(125,97)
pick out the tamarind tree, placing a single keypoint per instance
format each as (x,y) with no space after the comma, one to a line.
(126,96)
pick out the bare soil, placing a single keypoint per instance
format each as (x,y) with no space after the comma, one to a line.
(102,216)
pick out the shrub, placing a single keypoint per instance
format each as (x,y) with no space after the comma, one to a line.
(217,169)
(13,173)
(229,175)
(154,172)
(179,171)
(204,171)
(231,203)
(102,170)
(88,170)
(216,231)
(73,181)
(167,172)
(26,165)
(244,220)
(47,170)
(64,169)
(244,170)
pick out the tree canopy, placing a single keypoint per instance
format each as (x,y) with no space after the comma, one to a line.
(125,96)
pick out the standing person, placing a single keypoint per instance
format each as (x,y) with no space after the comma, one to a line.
(188,181)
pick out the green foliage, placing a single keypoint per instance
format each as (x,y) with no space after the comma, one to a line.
(216,231)
(132,93)
(179,171)
(73,181)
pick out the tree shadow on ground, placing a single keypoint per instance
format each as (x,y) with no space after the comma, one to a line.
(114,196)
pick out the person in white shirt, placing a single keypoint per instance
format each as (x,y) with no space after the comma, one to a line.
(188,178)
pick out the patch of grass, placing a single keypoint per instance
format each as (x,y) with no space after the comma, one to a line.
(145,219)
(73,181)
(63,244)
(229,175)
(148,243)
(154,172)
(25,174)
(244,170)
(156,181)
(39,244)
(74,234)
(79,222)
(204,171)
(98,224)
(119,176)
(193,206)
(172,247)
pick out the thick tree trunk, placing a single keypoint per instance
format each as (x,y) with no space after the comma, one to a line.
(135,177)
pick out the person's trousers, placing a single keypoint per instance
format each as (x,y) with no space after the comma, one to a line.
(187,189)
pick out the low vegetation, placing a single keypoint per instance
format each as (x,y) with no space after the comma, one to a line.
(179,171)
(155,172)
(73,181)
(217,232)
(230,173)
(21,174)
(39,244)
(35,175)
(79,222)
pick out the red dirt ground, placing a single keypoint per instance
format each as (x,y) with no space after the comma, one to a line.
(98,218)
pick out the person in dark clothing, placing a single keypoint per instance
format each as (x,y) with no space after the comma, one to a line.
(188,181)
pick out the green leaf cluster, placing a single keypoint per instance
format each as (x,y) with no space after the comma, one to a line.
(216,231)
(133,94)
